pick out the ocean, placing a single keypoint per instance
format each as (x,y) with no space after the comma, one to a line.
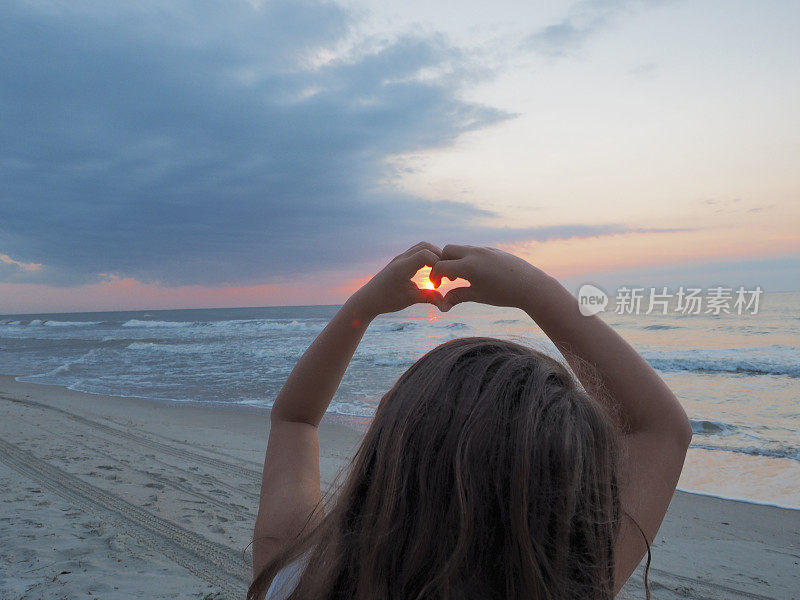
(737,376)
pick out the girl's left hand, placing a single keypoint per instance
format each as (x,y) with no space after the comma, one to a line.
(392,289)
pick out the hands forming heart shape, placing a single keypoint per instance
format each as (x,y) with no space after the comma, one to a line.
(474,274)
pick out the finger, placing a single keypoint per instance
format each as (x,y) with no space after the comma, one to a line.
(419,259)
(452,269)
(428,296)
(452,251)
(457,296)
(422,246)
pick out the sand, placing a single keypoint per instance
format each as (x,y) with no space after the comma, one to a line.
(106,497)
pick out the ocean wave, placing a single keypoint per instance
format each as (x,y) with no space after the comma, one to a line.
(790,452)
(395,326)
(157,324)
(506,321)
(254,324)
(71,323)
(392,361)
(352,409)
(172,348)
(62,369)
(49,323)
(702,427)
(768,360)
(341,408)
(287,325)
(658,327)
(69,367)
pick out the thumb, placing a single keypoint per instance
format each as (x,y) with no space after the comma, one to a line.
(428,296)
(452,269)
(456,296)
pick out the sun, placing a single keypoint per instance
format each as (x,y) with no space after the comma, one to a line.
(422,279)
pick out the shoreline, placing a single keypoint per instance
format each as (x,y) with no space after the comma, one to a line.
(106,494)
(359,425)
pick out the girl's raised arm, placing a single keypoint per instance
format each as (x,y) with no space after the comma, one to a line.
(657,430)
(290,486)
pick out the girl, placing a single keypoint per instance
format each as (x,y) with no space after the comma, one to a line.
(488,471)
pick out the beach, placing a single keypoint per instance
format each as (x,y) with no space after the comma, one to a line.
(114,497)
(194,194)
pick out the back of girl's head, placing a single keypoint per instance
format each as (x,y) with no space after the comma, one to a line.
(487,472)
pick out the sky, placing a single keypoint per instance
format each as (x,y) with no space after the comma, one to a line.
(204,154)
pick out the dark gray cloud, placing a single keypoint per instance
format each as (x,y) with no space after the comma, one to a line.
(584,19)
(200,142)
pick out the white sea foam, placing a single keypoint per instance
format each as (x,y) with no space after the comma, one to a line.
(293,325)
(156,324)
(173,348)
(68,367)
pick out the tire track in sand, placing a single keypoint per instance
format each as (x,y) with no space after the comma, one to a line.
(212,562)
(673,581)
(250,474)
(181,485)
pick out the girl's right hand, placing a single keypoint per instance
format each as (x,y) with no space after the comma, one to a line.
(392,289)
(495,277)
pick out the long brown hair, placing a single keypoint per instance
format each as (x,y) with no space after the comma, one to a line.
(488,472)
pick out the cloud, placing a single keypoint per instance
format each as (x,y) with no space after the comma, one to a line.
(583,20)
(734,205)
(5,258)
(201,143)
